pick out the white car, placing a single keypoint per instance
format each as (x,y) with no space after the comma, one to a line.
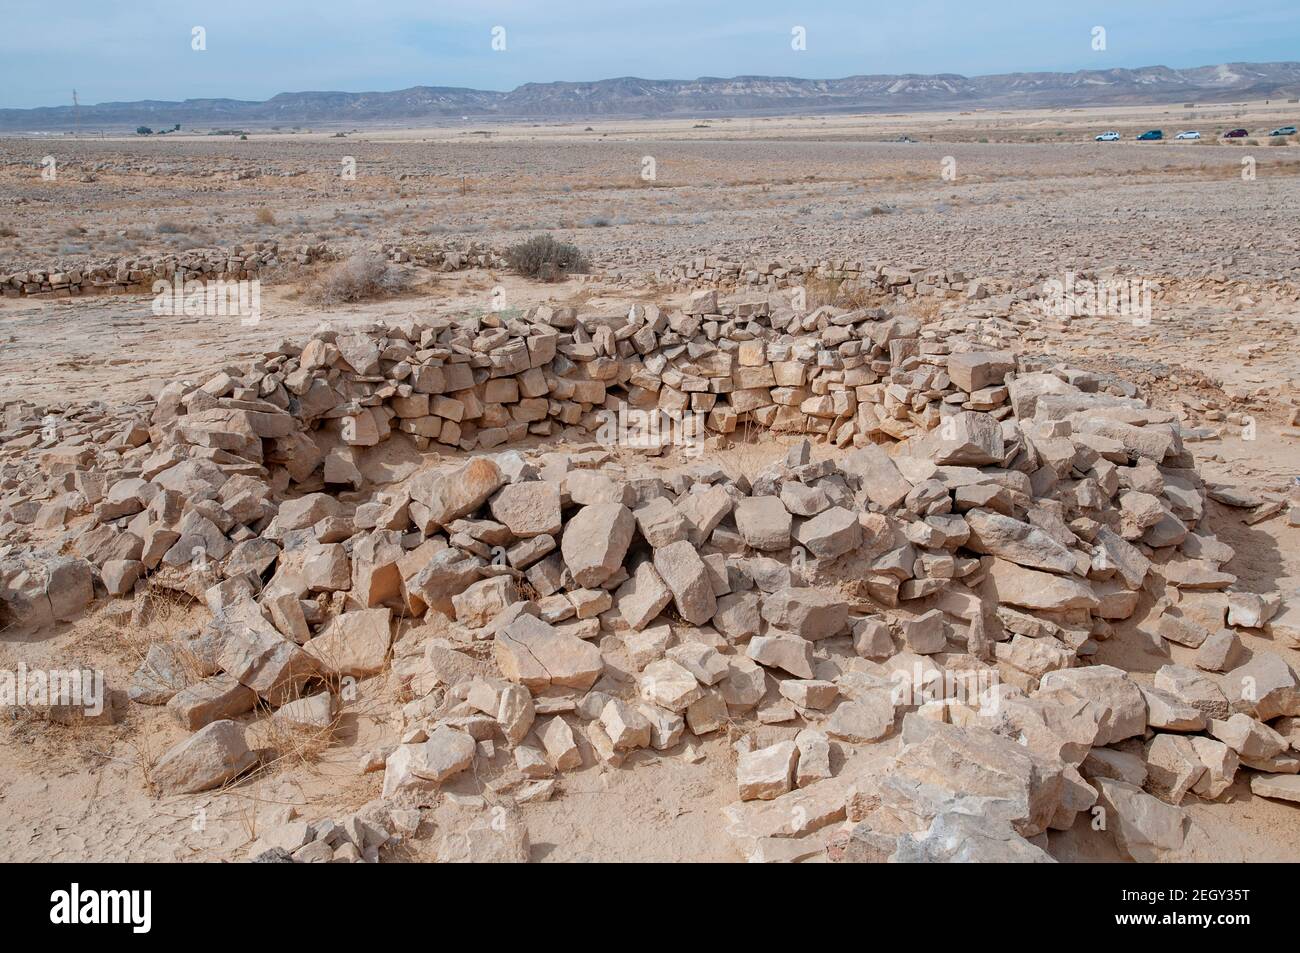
(1108,137)
(1192,134)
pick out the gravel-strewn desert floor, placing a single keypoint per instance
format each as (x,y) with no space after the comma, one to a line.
(1032,199)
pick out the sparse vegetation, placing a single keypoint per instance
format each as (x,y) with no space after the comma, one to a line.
(361,277)
(837,292)
(546,258)
(265,216)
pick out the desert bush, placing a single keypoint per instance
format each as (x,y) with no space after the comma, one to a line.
(170,228)
(359,277)
(821,291)
(544,257)
(265,216)
(1277,141)
(7,232)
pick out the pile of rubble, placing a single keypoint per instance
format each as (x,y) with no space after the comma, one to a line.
(945,576)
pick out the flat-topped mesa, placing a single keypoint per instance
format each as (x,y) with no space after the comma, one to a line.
(982,514)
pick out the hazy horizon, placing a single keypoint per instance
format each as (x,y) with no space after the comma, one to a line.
(252,52)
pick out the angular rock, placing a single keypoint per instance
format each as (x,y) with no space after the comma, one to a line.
(354,643)
(1017,542)
(764,523)
(682,570)
(1146,830)
(643,596)
(766,773)
(1031,589)
(440,497)
(531,508)
(214,755)
(537,655)
(423,766)
(811,614)
(788,653)
(595,541)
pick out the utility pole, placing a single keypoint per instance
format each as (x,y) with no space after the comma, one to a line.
(76,113)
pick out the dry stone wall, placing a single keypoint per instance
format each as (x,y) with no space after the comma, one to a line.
(136,274)
(947,577)
(903,279)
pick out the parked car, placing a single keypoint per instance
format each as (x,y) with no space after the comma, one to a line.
(1107,137)
(1283,131)
(1236,134)
(1152,134)
(1190,134)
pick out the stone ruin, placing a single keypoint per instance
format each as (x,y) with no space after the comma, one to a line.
(456,507)
(135,274)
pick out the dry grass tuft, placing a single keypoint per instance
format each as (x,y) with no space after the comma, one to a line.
(291,745)
(838,293)
(546,258)
(361,277)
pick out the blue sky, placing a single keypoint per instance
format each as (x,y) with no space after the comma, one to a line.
(142,50)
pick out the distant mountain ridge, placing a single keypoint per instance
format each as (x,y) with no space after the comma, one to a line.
(630,97)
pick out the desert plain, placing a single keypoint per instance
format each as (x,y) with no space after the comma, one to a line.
(983,208)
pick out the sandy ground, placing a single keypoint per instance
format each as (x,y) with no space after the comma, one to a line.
(1022,209)
(81,793)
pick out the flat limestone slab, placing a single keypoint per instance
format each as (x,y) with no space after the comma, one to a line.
(1283,787)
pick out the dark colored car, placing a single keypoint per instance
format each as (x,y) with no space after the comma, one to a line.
(1236,134)
(1152,134)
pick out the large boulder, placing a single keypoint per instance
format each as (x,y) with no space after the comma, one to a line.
(255,653)
(1116,701)
(1032,589)
(1017,542)
(812,614)
(684,572)
(214,755)
(595,542)
(438,497)
(537,655)
(354,643)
